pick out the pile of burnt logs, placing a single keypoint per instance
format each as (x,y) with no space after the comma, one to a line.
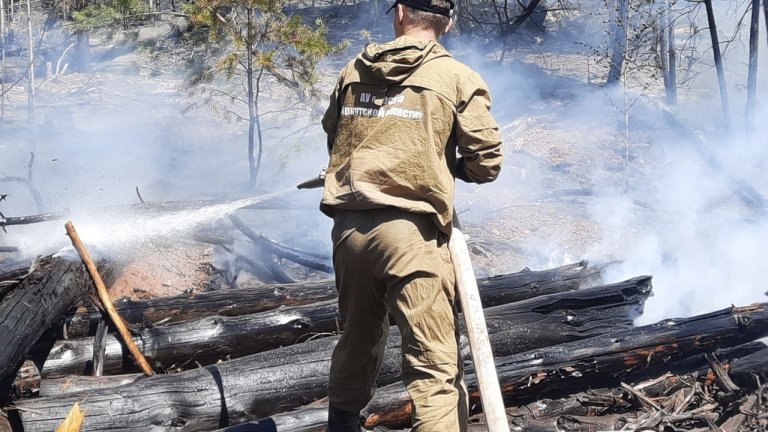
(257,358)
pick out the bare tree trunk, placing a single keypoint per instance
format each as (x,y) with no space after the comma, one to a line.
(620,14)
(258,129)
(252,102)
(765,11)
(672,57)
(83,50)
(668,54)
(719,65)
(2,60)
(662,25)
(31,76)
(754,31)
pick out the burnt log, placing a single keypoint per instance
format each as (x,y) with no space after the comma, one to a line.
(506,338)
(53,286)
(287,377)
(204,341)
(615,355)
(277,371)
(245,300)
(523,325)
(205,398)
(601,361)
(74,384)
(11,278)
(750,369)
(27,382)
(252,299)
(573,412)
(564,317)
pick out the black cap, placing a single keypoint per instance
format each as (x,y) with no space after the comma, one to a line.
(427,6)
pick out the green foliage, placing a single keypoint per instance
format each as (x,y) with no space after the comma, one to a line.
(108,15)
(254,53)
(263,39)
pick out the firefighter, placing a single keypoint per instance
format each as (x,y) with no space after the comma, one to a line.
(398,116)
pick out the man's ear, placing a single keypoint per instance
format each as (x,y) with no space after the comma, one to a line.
(450,25)
(400,13)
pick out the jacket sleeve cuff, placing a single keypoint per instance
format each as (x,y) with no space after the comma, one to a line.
(461,172)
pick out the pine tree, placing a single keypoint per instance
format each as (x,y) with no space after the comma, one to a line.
(259,45)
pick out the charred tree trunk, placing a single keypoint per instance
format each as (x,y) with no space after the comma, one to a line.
(745,369)
(241,301)
(2,60)
(10,279)
(595,362)
(754,30)
(186,307)
(74,384)
(52,287)
(251,387)
(765,12)
(540,321)
(565,317)
(726,106)
(205,341)
(614,355)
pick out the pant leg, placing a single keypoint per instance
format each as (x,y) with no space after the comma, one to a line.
(357,357)
(415,264)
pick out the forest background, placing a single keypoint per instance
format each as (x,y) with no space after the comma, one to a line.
(634,131)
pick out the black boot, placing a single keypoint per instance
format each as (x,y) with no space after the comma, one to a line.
(343,421)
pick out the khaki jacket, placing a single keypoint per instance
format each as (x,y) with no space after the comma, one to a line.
(398,115)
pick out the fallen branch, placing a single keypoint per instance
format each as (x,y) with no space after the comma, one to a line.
(264,269)
(299,257)
(103,294)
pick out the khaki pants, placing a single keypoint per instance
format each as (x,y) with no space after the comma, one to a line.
(391,261)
